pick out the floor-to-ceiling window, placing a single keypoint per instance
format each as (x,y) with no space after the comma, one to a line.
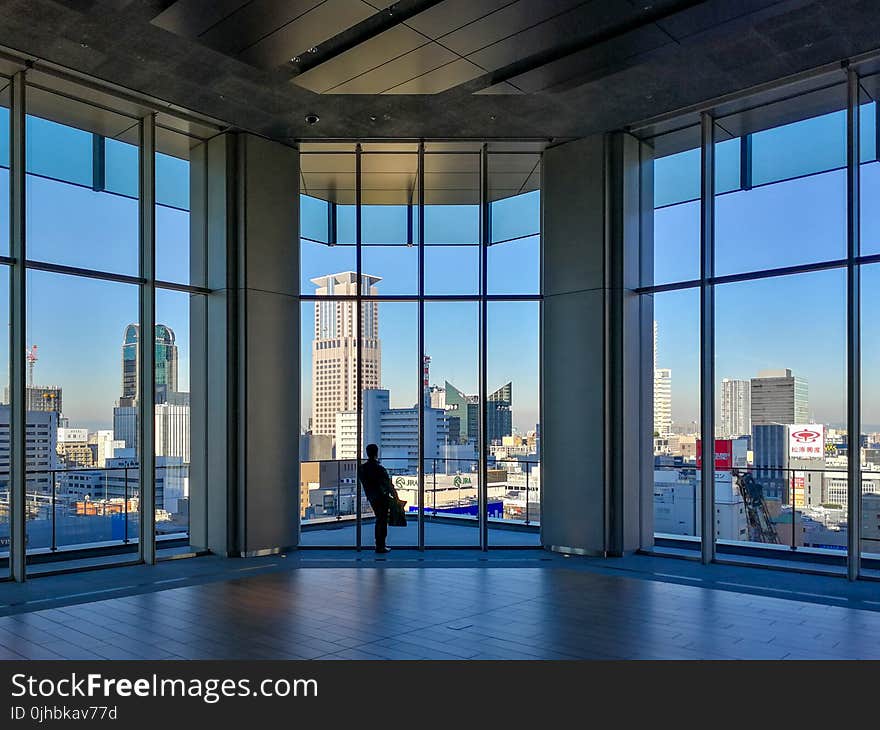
(763,280)
(89,245)
(431,253)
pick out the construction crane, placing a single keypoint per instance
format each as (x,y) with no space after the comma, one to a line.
(31,356)
(761,527)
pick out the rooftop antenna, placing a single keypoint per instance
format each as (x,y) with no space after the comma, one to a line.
(31,355)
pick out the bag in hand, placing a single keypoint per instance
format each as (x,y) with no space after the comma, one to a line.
(396,511)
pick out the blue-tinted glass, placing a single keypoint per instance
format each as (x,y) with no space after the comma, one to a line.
(172,181)
(869,184)
(868,132)
(727,165)
(313,218)
(72,224)
(516,216)
(452,224)
(677,178)
(121,168)
(786,223)
(514,267)
(385,224)
(346,224)
(319,259)
(452,269)
(58,151)
(4,137)
(801,148)
(677,243)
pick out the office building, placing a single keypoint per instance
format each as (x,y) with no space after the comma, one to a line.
(499,419)
(735,408)
(335,349)
(165,362)
(73,448)
(394,430)
(778,396)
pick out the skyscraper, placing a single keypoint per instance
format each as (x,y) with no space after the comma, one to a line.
(735,408)
(662,395)
(335,350)
(779,397)
(166,363)
(499,419)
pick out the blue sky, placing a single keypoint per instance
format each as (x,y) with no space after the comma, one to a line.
(798,321)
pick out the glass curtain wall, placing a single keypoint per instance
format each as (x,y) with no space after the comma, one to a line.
(782,314)
(84,285)
(416,226)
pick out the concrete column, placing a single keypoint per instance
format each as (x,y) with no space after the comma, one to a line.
(250,406)
(596,352)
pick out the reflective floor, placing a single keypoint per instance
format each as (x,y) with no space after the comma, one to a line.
(439,605)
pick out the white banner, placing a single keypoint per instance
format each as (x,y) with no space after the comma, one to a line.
(806,441)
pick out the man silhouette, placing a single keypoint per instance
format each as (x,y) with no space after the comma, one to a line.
(377,486)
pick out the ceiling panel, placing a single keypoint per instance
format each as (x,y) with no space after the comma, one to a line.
(452,15)
(252,22)
(595,61)
(584,21)
(309,30)
(508,21)
(414,64)
(190,18)
(374,52)
(440,79)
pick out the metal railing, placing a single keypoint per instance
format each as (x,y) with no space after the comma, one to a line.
(339,488)
(110,494)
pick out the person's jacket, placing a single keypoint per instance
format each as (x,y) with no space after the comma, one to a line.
(375,480)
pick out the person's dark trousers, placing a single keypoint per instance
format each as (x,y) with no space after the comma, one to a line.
(380,508)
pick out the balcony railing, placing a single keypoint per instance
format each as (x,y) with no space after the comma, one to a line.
(77,514)
(337,486)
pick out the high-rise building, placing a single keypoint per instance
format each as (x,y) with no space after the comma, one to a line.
(335,348)
(40,398)
(463,413)
(165,359)
(41,450)
(662,395)
(735,408)
(499,419)
(778,396)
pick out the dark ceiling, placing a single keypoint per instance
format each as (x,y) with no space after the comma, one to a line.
(438,68)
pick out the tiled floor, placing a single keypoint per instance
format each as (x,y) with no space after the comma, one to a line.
(523,605)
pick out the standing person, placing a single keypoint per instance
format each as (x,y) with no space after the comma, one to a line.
(377,486)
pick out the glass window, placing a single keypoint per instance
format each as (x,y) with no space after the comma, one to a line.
(172,414)
(452,455)
(328,221)
(797,409)
(513,415)
(676,413)
(72,217)
(389,221)
(677,217)
(514,255)
(328,445)
(796,212)
(5,424)
(173,248)
(390,402)
(452,223)
(83,474)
